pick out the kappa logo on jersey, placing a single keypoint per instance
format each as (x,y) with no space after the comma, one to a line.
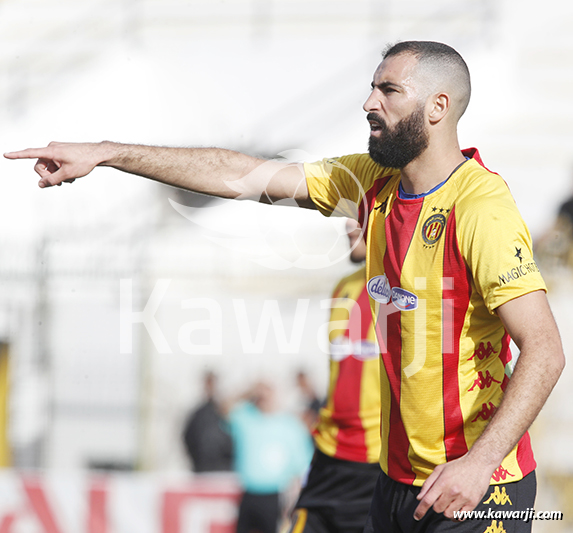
(379,289)
(382,206)
(500,474)
(483,351)
(484,382)
(433,228)
(486,412)
(404,300)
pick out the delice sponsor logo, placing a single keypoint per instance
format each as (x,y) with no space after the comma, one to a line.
(379,289)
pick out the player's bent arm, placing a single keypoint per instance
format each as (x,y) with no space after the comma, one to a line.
(212,171)
(460,484)
(530,323)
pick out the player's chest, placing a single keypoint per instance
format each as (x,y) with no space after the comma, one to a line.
(410,236)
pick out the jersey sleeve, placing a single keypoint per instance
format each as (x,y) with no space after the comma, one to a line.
(338,186)
(497,245)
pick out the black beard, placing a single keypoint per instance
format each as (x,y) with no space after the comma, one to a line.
(397,147)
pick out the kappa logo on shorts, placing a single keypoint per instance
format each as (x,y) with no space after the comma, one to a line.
(499,498)
(433,228)
(495,527)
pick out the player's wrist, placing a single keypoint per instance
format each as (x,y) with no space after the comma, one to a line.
(110,154)
(488,456)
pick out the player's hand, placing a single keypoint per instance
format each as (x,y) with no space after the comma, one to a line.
(61,162)
(458,485)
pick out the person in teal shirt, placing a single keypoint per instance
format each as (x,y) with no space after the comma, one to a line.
(272,449)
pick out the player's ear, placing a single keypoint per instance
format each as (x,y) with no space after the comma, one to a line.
(439,105)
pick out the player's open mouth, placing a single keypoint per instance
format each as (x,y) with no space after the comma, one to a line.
(375,123)
(376,130)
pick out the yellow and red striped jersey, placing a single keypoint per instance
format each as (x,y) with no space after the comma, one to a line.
(438,266)
(349,423)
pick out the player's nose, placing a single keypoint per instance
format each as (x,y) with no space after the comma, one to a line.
(372,103)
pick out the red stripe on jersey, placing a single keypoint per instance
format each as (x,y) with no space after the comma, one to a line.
(350,437)
(524,455)
(358,326)
(457,291)
(473,153)
(346,397)
(399,467)
(505,357)
(400,226)
(505,352)
(368,203)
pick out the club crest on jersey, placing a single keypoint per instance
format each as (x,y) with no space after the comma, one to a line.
(404,300)
(379,289)
(433,228)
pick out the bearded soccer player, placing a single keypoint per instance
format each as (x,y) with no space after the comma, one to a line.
(450,275)
(338,491)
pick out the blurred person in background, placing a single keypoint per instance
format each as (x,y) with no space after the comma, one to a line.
(554,249)
(272,450)
(338,491)
(312,403)
(208,443)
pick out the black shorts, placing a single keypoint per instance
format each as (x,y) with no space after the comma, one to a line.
(394,503)
(258,512)
(336,497)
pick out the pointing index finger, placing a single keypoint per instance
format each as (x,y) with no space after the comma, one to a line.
(29,153)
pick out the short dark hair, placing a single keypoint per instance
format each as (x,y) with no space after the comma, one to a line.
(423,49)
(438,57)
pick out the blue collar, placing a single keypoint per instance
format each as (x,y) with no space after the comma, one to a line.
(402,194)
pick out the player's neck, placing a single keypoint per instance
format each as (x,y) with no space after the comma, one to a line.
(431,168)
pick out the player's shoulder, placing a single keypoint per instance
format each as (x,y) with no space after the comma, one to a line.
(479,188)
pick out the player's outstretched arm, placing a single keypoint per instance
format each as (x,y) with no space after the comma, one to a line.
(212,171)
(460,484)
